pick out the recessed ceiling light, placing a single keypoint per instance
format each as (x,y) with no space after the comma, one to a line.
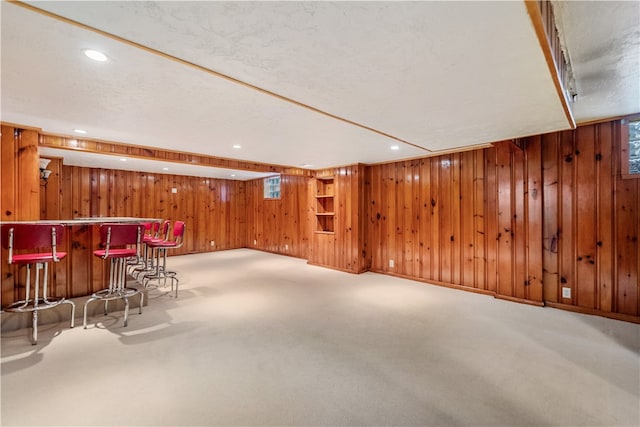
(395,147)
(95,55)
(306,165)
(237,146)
(82,131)
(165,169)
(123,159)
(233,174)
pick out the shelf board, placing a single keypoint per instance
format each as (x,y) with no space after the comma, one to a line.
(324,232)
(324,196)
(325,213)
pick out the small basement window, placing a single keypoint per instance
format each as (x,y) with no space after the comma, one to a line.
(272,187)
(633,149)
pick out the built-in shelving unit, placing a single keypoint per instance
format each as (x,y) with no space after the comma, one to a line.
(325,213)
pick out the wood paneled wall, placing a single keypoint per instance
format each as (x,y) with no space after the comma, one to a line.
(19,175)
(213,209)
(592,222)
(519,224)
(279,225)
(20,193)
(346,248)
(461,220)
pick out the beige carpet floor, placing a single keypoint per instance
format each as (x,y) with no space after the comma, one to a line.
(265,340)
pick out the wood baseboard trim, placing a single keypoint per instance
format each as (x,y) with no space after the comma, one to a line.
(594,312)
(435,282)
(520,300)
(334,268)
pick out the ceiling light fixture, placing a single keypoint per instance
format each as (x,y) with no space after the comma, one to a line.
(81,131)
(123,159)
(95,55)
(165,169)
(237,146)
(395,147)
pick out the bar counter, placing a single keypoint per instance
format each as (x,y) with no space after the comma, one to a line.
(86,221)
(79,273)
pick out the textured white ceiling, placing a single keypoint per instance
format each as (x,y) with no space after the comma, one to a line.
(440,75)
(603,43)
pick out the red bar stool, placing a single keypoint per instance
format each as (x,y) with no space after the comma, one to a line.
(35,237)
(161,246)
(117,239)
(139,265)
(158,233)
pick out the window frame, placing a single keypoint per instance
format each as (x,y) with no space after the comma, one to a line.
(625,149)
(267,195)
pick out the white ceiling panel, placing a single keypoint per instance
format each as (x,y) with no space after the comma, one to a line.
(106,161)
(438,75)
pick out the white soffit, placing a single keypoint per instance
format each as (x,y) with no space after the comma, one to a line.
(441,75)
(107,161)
(603,44)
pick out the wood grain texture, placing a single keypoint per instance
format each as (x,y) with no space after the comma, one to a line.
(517,221)
(19,198)
(592,211)
(344,249)
(281,225)
(213,210)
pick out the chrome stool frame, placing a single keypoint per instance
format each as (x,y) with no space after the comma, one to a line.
(161,272)
(35,236)
(147,264)
(117,235)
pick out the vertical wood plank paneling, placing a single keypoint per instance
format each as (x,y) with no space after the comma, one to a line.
(585,191)
(491,218)
(27,176)
(505,227)
(627,202)
(519,230)
(436,267)
(534,220)
(467,211)
(8,165)
(496,219)
(278,225)
(479,226)
(456,218)
(445,191)
(604,241)
(551,233)
(389,203)
(415,216)
(426,241)
(566,217)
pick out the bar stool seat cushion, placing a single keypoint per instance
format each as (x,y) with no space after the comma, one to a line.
(37,257)
(116,253)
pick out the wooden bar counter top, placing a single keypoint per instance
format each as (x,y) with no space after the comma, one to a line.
(79,273)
